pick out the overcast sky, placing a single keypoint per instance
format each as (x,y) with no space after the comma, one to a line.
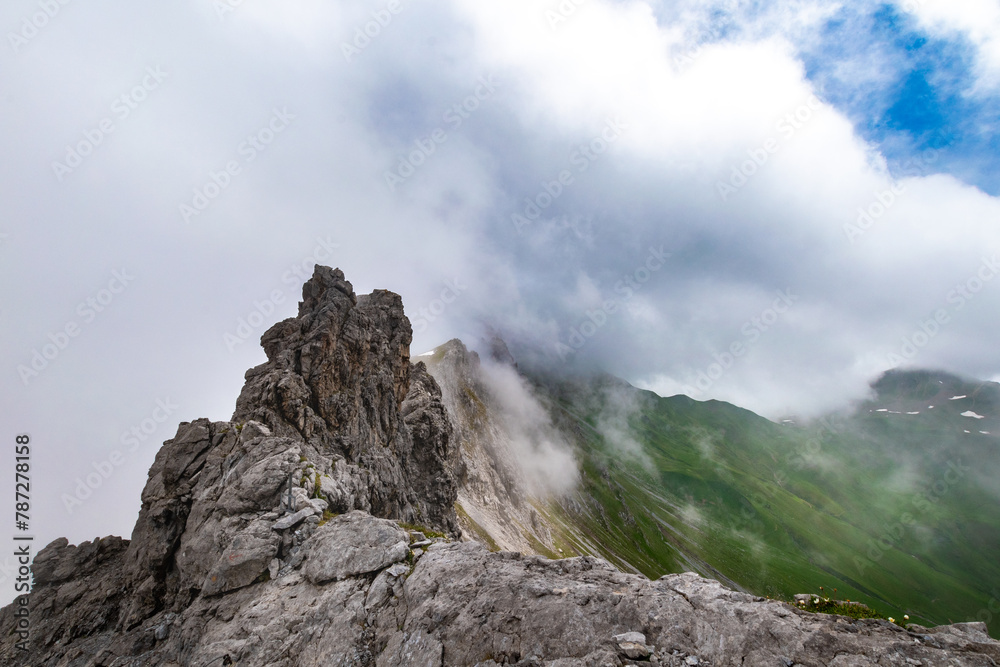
(766,203)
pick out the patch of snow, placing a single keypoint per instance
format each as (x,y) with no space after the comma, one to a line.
(930,407)
(985,432)
(882,410)
(970,413)
(968,431)
(955,398)
(913,413)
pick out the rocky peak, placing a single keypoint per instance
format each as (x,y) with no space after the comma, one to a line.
(336,420)
(337,373)
(338,379)
(498,349)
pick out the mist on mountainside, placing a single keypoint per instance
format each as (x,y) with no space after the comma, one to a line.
(540,450)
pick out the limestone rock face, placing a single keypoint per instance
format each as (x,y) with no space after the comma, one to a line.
(275,540)
(495,501)
(460,605)
(338,378)
(353,544)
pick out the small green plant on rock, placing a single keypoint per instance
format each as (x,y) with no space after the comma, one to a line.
(842,608)
(824,605)
(423,529)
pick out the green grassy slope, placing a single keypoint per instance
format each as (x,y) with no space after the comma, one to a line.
(900,511)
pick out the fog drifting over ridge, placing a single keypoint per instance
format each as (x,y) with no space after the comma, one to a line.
(545,459)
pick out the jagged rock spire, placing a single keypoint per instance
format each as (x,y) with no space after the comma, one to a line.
(339,377)
(337,410)
(338,372)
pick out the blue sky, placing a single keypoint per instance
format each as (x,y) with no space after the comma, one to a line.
(923,98)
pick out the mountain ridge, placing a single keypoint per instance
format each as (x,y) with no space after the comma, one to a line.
(319,527)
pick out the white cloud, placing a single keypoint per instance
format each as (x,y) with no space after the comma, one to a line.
(547,464)
(977,20)
(792,212)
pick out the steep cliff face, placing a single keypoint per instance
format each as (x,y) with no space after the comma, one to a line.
(283,538)
(497,502)
(339,380)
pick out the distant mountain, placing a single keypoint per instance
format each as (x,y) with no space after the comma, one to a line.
(893,502)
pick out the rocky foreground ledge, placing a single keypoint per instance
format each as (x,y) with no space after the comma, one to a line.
(367,592)
(318,528)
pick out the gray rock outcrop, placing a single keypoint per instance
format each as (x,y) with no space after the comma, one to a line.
(353,544)
(339,379)
(463,605)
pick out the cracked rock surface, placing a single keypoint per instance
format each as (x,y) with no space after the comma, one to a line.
(462,605)
(274,540)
